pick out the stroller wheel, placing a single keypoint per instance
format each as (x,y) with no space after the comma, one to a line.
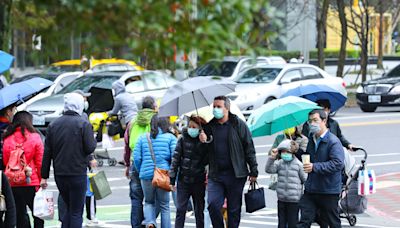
(112,162)
(352,220)
(100,162)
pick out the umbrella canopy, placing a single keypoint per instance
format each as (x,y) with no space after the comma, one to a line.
(100,100)
(193,93)
(320,92)
(280,114)
(206,112)
(5,61)
(22,91)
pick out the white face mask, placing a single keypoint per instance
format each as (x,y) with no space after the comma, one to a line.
(86,105)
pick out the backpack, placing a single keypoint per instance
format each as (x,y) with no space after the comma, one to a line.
(15,169)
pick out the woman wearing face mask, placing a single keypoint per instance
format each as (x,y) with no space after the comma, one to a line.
(291,177)
(191,162)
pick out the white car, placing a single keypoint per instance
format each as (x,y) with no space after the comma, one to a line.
(60,81)
(263,83)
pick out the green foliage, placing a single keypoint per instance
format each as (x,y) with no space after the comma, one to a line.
(334,53)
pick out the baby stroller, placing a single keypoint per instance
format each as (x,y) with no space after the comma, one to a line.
(350,203)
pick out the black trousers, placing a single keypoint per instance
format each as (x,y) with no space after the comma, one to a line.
(326,204)
(288,214)
(23,196)
(90,207)
(197,191)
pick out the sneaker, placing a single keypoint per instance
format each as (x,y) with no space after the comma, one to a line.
(189,214)
(94,223)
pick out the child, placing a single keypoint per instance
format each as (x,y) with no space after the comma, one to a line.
(291,177)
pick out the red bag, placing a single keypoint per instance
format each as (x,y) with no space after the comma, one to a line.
(15,169)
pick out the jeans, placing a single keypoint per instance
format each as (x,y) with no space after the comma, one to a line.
(73,192)
(23,196)
(230,187)
(184,192)
(136,195)
(288,214)
(151,195)
(327,204)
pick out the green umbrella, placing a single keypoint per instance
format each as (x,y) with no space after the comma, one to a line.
(280,114)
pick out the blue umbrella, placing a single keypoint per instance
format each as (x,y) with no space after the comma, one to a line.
(22,91)
(5,61)
(315,92)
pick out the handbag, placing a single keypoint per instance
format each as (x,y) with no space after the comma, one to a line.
(114,128)
(254,198)
(101,187)
(3,206)
(161,177)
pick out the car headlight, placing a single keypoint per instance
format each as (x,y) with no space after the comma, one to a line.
(247,96)
(360,89)
(395,91)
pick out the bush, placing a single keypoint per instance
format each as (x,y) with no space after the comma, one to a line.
(334,53)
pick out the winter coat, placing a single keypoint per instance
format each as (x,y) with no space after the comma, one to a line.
(123,102)
(163,146)
(33,150)
(291,177)
(189,160)
(9,216)
(334,128)
(241,148)
(328,164)
(69,142)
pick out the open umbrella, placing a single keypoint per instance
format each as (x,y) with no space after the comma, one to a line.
(22,91)
(314,92)
(5,61)
(280,114)
(193,93)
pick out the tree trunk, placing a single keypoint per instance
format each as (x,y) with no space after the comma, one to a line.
(5,8)
(379,64)
(321,31)
(343,23)
(364,43)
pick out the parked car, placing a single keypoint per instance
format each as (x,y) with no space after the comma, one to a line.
(384,91)
(60,81)
(263,83)
(273,60)
(140,83)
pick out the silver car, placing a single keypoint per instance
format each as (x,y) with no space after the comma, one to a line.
(139,83)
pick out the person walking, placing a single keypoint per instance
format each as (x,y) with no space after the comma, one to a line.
(190,161)
(6,116)
(21,132)
(324,181)
(69,159)
(137,127)
(124,102)
(163,146)
(231,154)
(291,177)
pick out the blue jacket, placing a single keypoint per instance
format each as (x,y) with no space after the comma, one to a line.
(328,163)
(163,146)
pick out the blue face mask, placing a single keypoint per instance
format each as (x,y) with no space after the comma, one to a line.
(314,129)
(287,157)
(193,132)
(218,113)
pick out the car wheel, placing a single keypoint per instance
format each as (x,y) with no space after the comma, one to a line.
(368,108)
(269,99)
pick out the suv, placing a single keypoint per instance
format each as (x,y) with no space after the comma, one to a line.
(384,91)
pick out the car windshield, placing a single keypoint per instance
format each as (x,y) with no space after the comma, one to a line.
(259,75)
(63,69)
(50,77)
(394,73)
(217,68)
(86,82)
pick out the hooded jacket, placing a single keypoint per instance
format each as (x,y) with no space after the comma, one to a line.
(189,159)
(69,141)
(33,149)
(123,102)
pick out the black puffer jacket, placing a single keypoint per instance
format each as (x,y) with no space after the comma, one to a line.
(241,148)
(189,160)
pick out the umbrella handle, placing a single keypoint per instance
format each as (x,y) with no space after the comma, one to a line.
(210,140)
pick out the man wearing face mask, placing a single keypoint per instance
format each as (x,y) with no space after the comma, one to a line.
(324,182)
(86,102)
(231,154)
(332,124)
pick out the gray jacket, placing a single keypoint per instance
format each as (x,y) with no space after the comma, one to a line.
(291,177)
(124,102)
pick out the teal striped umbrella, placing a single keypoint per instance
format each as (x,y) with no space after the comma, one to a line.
(280,114)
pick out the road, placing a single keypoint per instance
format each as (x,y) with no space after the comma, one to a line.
(377,132)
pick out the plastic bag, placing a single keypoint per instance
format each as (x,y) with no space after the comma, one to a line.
(107,141)
(43,204)
(366,182)
(273,182)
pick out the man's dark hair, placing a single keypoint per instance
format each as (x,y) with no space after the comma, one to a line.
(227,102)
(149,102)
(159,122)
(325,103)
(321,112)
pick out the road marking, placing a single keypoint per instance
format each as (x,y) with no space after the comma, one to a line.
(383,115)
(387,184)
(370,123)
(383,164)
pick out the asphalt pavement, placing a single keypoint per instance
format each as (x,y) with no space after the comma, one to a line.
(377,132)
